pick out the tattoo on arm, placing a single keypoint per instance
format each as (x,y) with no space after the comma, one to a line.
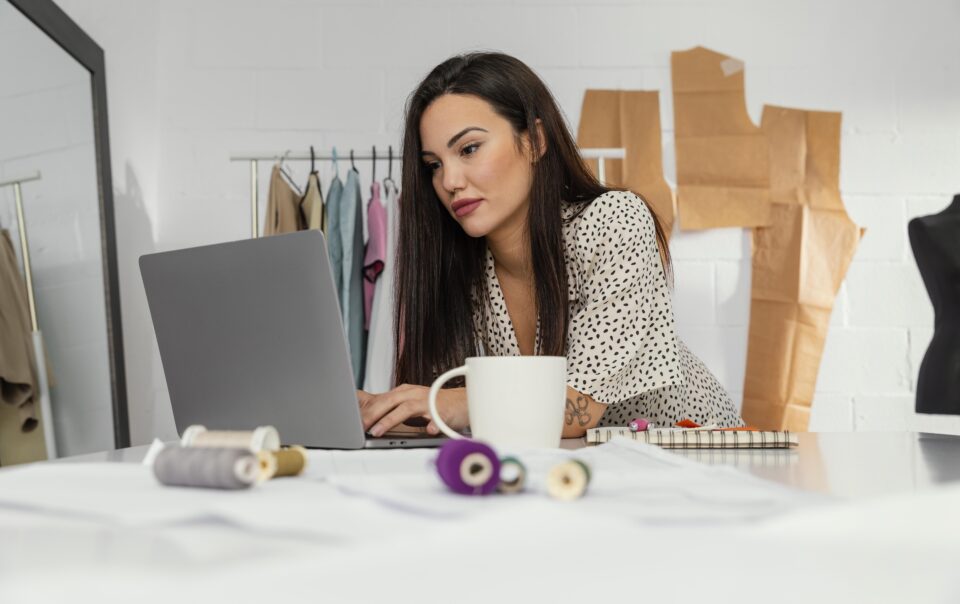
(577,411)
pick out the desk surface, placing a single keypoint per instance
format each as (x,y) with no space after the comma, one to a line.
(848,464)
(861,548)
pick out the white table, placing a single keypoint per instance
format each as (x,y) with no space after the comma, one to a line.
(890,535)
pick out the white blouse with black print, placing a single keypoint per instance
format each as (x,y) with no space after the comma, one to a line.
(622,349)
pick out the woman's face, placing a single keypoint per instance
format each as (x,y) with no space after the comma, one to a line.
(479,174)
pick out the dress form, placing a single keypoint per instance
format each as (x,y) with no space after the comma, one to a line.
(935,240)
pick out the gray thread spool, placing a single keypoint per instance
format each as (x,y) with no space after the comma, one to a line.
(207,467)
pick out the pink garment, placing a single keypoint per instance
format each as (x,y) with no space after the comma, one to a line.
(373,259)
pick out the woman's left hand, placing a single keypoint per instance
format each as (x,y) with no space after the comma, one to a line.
(383,412)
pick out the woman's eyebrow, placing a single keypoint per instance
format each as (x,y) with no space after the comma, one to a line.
(455,138)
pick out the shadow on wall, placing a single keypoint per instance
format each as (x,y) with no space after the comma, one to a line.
(144,374)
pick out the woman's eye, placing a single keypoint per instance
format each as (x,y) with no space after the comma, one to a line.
(432,167)
(473,146)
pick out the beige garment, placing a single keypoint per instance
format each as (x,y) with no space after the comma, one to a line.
(799,262)
(283,206)
(311,206)
(20,440)
(629,119)
(722,173)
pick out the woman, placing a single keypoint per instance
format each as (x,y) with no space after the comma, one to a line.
(509,245)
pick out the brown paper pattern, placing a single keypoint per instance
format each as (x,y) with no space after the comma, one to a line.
(799,262)
(722,157)
(629,119)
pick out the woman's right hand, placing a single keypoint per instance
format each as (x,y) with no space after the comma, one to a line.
(383,412)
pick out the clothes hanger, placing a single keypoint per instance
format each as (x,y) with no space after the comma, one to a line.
(374,172)
(353,166)
(313,160)
(287,172)
(389,177)
(336,168)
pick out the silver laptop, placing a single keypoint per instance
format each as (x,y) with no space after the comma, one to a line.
(250,334)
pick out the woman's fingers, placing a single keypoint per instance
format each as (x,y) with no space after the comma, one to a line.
(397,416)
(381,404)
(363,397)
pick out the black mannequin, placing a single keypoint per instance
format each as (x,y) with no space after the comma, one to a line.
(935,241)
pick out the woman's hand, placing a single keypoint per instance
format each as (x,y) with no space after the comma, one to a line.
(383,412)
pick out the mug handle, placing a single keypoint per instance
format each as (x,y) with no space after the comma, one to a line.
(434,391)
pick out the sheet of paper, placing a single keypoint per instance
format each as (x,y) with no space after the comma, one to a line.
(722,174)
(629,119)
(129,495)
(630,480)
(799,262)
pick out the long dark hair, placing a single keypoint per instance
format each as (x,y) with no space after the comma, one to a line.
(439,267)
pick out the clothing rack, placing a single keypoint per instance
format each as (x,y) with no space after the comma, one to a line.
(46,413)
(600,154)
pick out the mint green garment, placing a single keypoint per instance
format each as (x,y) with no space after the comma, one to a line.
(334,241)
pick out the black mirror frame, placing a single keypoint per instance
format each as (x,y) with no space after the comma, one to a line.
(55,23)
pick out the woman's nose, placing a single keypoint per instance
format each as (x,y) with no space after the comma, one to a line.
(453,178)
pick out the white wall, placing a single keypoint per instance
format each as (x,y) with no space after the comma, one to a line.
(191,82)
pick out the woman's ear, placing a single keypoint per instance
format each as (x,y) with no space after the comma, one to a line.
(541,136)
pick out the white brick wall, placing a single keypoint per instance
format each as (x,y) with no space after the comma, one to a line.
(190,82)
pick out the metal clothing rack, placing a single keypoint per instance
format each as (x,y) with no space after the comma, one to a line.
(600,154)
(46,412)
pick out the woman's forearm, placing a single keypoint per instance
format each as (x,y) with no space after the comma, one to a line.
(581,413)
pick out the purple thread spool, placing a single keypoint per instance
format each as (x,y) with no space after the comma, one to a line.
(639,425)
(468,467)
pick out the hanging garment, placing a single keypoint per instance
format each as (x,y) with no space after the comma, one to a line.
(381,349)
(351,297)
(283,206)
(374,256)
(334,240)
(20,441)
(311,206)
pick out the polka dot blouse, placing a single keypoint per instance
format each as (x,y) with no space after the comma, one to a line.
(621,348)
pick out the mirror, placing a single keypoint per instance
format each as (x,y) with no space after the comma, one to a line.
(53,122)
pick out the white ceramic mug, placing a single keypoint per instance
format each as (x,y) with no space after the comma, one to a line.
(512,401)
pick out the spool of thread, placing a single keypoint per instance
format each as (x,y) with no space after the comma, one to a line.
(267,464)
(468,467)
(639,425)
(207,467)
(568,480)
(513,475)
(290,460)
(264,438)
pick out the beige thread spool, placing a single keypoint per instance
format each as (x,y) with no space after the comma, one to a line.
(264,438)
(267,464)
(290,461)
(568,480)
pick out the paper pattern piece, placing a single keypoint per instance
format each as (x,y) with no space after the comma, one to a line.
(722,172)
(799,262)
(629,119)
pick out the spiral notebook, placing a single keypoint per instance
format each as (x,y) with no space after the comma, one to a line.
(672,438)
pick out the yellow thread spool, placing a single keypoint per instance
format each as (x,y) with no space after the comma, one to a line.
(290,461)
